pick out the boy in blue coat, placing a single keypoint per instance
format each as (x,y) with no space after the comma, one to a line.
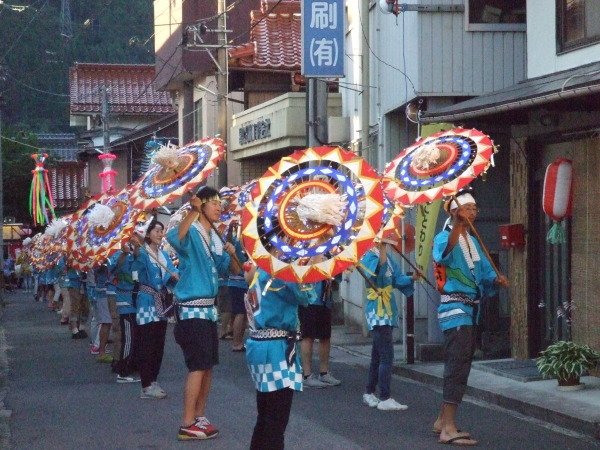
(202,257)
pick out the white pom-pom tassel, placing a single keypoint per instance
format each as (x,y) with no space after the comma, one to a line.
(100,216)
(55,227)
(322,208)
(425,157)
(166,157)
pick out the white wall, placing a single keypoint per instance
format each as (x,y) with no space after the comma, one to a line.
(541,43)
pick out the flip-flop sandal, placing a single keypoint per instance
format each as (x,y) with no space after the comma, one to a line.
(438,432)
(462,441)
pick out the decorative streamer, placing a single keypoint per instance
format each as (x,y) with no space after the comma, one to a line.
(41,205)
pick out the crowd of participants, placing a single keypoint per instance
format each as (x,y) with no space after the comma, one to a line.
(129,300)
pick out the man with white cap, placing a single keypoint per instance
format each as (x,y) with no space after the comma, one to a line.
(464,277)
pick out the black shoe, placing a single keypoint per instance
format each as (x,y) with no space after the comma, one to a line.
(79,335)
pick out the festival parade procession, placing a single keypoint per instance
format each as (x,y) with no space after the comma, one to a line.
(262,193)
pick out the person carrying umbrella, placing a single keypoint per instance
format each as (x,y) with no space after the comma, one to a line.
(464,276)
(202,257)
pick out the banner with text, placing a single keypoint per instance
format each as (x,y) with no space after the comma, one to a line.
(323,38)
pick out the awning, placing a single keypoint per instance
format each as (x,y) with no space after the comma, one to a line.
(578,82)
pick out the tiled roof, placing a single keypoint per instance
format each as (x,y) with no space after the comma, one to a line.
(274,40)
(60,145)
(131,89)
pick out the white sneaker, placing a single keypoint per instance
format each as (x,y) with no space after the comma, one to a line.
(157,386)
(313,382)
(152,392)
(121,379)
(370,400)
(391,405)
(329,379)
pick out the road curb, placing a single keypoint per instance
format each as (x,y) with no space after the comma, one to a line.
(5,414)
(578,425)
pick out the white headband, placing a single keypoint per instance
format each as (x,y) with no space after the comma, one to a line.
(463,199)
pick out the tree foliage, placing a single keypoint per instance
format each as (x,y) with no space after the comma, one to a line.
(37,58)
(17,165)
(34,72)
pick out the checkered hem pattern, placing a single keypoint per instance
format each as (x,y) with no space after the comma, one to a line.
(208,313)
(376,321)
(270,378)
(146,315)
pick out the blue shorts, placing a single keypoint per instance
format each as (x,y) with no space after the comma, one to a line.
(236,295)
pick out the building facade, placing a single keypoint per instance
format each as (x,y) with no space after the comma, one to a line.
(552,114)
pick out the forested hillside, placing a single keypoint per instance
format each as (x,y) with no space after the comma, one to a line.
(36,57)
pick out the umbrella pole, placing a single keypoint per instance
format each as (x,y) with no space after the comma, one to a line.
(388,241)
(157,261)
(367,279)
(415,268)
(476,234)
(155,258)
(233,256)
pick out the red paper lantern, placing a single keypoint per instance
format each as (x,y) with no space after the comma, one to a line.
(557,197)
(558,189)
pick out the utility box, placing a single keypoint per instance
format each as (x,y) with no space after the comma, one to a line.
(512,235)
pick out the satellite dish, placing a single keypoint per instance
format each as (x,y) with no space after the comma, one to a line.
(386,7)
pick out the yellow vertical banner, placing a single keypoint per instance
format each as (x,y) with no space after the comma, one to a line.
(427,213)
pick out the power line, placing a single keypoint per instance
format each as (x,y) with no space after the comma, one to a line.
(381,60)
(23,31)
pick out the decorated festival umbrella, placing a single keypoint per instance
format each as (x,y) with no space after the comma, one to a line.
(102,227)
(230,217)
(53,242)
(175,172)
(320,202)
(244,195)
(37,251)
(438,166)
(392,228)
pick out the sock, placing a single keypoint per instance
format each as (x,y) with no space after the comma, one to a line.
(322,373)
(75,330)
(306,376)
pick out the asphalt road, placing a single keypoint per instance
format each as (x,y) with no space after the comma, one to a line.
(62,399)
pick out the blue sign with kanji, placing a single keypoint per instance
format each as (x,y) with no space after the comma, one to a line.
(323,38)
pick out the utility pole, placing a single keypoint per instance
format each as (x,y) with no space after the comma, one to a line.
(222,87)
(366,75)
(107,158)
(105,121)
(2,78)
(316,113)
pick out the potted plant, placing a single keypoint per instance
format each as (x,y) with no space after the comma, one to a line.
(567,361)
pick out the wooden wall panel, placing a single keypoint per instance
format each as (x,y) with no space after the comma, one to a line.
(518,292)
(585,282)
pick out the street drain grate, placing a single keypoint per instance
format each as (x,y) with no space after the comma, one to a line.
(520,370)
